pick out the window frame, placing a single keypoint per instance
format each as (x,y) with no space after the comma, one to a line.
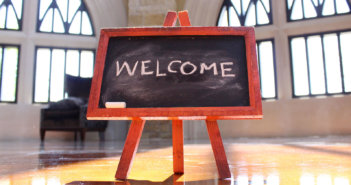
(20,21)
(51,49)
(38,22)
(288,12)
(274,67)
(337,32)
(3,45)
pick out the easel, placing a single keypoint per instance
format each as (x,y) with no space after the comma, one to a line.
(137,125)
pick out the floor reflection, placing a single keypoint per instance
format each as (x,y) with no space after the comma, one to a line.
(250,164)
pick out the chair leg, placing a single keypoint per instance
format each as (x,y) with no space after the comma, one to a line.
(82,134)
(42,135)
(102,135)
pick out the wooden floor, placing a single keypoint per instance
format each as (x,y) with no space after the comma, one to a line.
(304,161)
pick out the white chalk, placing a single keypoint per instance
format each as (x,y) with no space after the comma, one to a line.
(115,104)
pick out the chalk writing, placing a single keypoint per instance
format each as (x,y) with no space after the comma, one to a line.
(185,68)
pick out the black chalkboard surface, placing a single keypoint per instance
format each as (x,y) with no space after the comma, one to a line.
(176,71)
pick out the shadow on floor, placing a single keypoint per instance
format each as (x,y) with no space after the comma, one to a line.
(171,180)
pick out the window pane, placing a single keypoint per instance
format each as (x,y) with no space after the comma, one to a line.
(299,64)
(223,18)
(17,4)
(72,64)
(332,63)
(86,25)
(11,22)
(42,74)
(342,7)
(75,26)
(9,74)
(316,65)
(267,73)
(296,12)
(87,64)
(251,16)
(57,74)
(58,23)
(11,14)
(233,18)
(2,16)
(328,8)
(46,25)
(262,16)
(345,43)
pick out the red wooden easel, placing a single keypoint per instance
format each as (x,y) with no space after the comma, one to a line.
(137,125)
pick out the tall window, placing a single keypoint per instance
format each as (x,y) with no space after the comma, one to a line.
(245,13)
(11,14)
(64,16)
(51,66)
(307,9)
(9,55)
(321,63)
(266,64)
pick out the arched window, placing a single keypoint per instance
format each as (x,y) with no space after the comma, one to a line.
(11,14)
(245,13)
(64,16)
(307,9)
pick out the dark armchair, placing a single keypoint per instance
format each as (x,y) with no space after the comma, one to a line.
(70,114)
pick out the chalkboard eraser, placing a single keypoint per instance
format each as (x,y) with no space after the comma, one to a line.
(115,104)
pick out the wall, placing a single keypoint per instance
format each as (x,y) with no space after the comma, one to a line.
(21,120)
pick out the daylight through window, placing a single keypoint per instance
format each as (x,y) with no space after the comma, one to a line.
(321,63)
(64,16)
(245,13)
(8,72)
(11,14)
(51,66)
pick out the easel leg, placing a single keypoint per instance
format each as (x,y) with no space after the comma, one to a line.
(218,149)
(130,148)
(178,144)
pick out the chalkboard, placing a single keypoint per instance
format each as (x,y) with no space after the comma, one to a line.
(168,73)
(188,83)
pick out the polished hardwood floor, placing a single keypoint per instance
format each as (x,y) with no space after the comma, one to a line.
(304,161)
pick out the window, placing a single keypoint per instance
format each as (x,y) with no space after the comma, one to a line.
(307,9)
(9,55)
(245,13)
(64,16)
(321,63)
(51,66)
(11,14)
(266,64)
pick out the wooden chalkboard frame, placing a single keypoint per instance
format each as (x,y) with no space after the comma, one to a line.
(253,111)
